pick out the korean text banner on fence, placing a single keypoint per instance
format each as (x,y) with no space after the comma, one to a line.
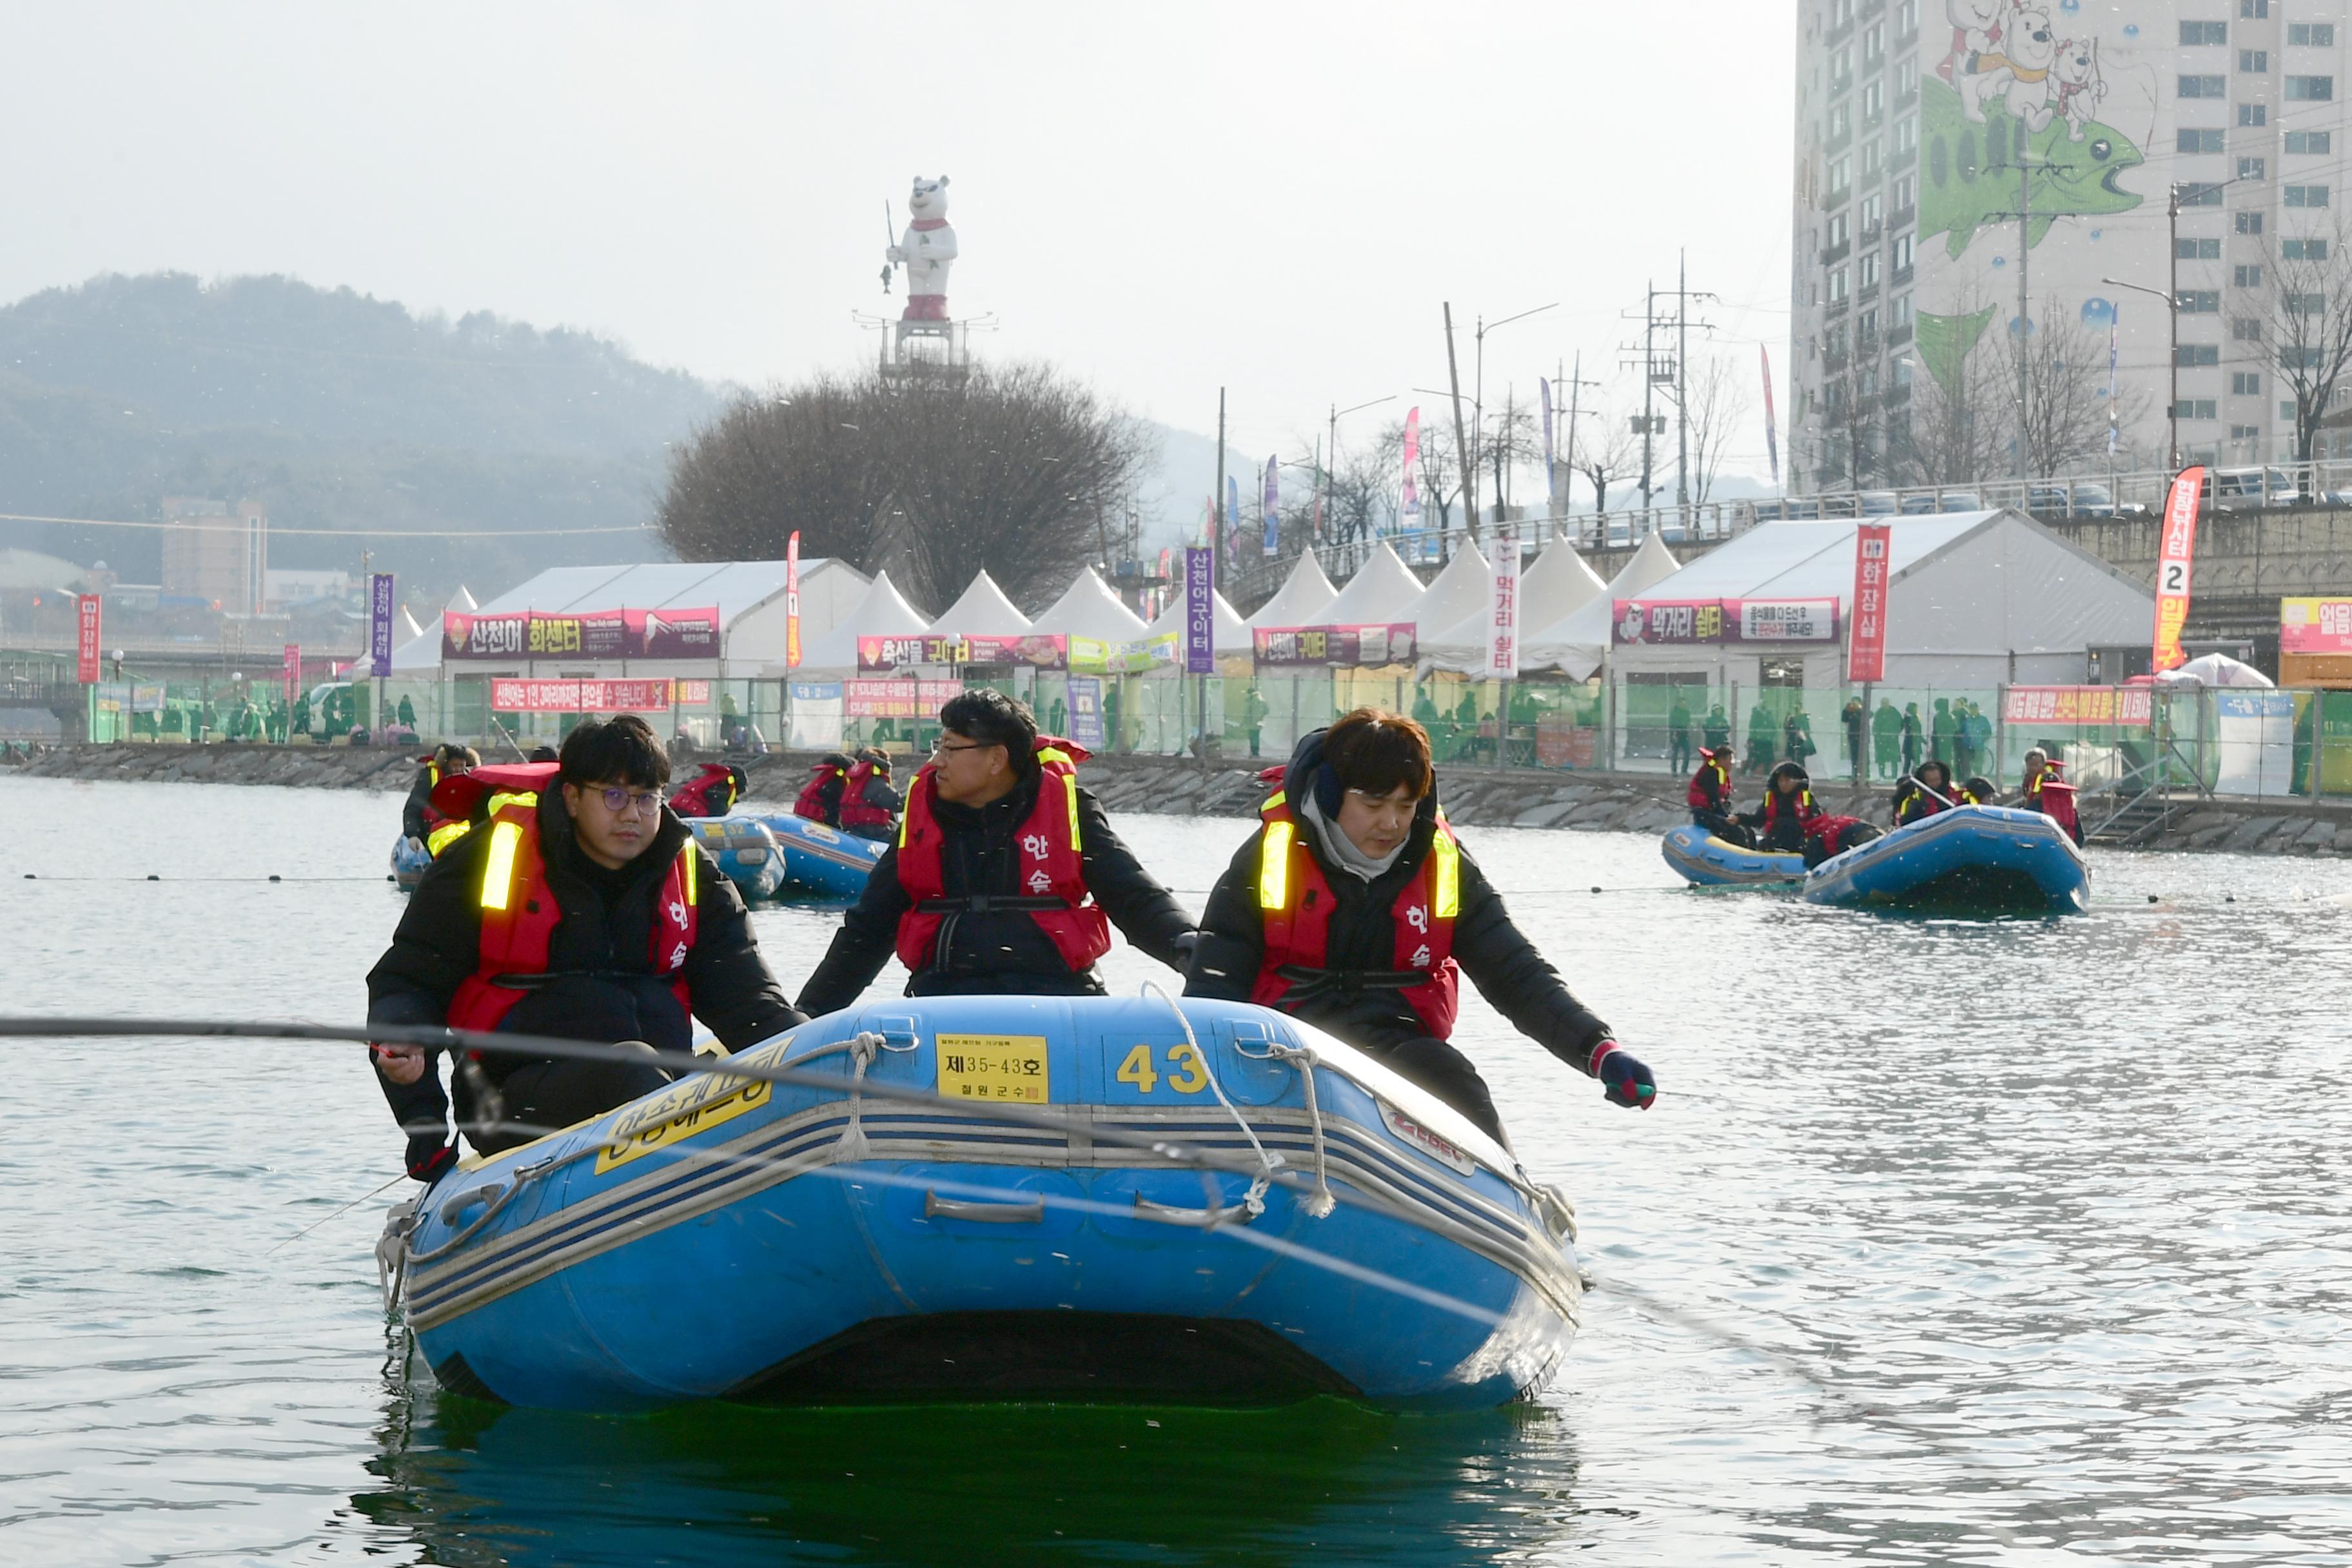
(595,633)
(2315,626)
(898,699)
(2128,706)
(579,696)
(1725,620)
(1038,651)
(1354,647)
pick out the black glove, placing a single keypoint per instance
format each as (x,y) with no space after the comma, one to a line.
(429,1154)
(1627,1082)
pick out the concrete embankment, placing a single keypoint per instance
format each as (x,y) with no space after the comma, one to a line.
(1482,798)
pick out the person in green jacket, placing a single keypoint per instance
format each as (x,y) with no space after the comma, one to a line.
(1718,729)
(1762,747)
(1886,736)
(1944,734)
(407,712)
(1678,737)
(1254,708)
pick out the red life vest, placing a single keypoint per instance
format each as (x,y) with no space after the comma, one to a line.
(1294,902)
(1805,809)
(1835,834)
(709,794)
(1698,796)
(1051,873)
(519,915)
(811,802)
(856,811)
(2053,797)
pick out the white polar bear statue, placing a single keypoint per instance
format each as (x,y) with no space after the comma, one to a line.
(927,249)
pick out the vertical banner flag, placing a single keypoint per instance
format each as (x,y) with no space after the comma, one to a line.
(1229,538)
(1503,625)
(1200,612)
(1272,503)
(2115,432)
(793,601)
(1771,428)
(1409,493)
(1552,468)
(2172,569)
(379,613)
(85,635)
(293,673)
(1865,649)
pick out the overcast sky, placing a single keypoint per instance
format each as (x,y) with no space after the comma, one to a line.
(1165,198)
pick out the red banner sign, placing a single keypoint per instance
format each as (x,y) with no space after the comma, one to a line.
(1865,653)
(1038,651)
(2173,568)
(1675,621)
(597,634)
(85,635)
(793,601)
(2125,706)
(896,698)
(1669,620)
(579,696)
(293,669)
(1336,648)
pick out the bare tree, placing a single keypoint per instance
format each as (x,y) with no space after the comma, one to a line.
(2064,374)
(1439,484)
(2308,333)
(1609,456)
(936,481)
(1951,429)
(1719,407)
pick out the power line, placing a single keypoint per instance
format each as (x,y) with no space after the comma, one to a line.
(344,532)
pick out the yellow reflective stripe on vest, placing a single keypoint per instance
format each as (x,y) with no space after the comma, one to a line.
(1273,867)
(446,835)
(505,798)
(1449,873)
(1055,754)
(1272,802)
(691,864)
(498,869)
(1070,794)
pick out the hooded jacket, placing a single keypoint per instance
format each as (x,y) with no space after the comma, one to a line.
(1492,951)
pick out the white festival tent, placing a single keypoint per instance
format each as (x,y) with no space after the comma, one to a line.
(1577,642)
(2215,669)
(1233,636)
(983,611)
(1301,600)
(1465,587)
(1089,609)
(462,602)
(1384,591)
(881,612)
(1557,585)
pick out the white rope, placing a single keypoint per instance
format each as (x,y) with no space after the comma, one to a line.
(862,1048)
(1253,1200)
(1321,1202)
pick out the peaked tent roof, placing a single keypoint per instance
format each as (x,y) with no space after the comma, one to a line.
(1649,567)
(1089,609)
(880,612)
(1383,590)
(1232,632)
(1463,589)
(407,630)
(1301,600)
(462,602)
(1559,584)
(735,586)
(1576,643)
(981,611)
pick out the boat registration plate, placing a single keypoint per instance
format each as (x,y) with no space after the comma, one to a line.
(994,1067)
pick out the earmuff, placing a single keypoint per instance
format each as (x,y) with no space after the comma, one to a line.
(1328,792)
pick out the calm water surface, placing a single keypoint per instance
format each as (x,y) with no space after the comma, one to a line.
(2013,1243)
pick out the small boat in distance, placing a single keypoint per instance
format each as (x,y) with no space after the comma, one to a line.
(1971,859)
(1711,862)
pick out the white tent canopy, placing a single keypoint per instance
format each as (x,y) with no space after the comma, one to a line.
(1650,565)
(1578,641)
(1301,600)
(2215,669)
(1383,590)
(462,602)
(983,611)
(1559,584)
(1089,609)
(406,629)
(1465,588)
(1233,635)
(881,612)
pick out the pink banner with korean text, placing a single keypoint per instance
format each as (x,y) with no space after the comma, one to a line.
(595,634)
(1037,650)
(2123,706)
(896,698)
(1344,648)
(579,696)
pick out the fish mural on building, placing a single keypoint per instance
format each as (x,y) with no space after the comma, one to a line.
(1945,343)
(1968,177)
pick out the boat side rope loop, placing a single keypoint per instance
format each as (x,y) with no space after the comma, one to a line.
(862,1047)
(1254,1200)
(1321,1202)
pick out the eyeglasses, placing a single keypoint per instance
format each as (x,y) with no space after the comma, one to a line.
(620,802)
(943,749)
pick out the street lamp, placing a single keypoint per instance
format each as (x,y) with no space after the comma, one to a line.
(1324,478)
(2172,305)
(1478,405)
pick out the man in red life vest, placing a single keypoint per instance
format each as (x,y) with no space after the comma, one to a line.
(713,792)
(1927,791)
(1354,908)
(1710,799)
(869,806)
(579,908)
(1005,875)
(2047,792)
(427,828)
(820,798)
(1789,809)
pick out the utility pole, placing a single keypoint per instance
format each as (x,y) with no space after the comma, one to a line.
(1682,380)
(1576,384)
(2172,293)
(1648,384)
(1217,522)
(2024,313)
(1461,441)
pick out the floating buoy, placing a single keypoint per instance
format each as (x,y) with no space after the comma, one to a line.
(2151,898)
(1596,890)
(274,876)
(30,877)
(153,878)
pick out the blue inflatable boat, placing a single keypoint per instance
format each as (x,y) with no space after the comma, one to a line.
(409,865)
(1710,862)
(1985,860)
(730,1238)
(820,860)
(745,850)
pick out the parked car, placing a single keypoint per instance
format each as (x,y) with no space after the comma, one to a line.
(2251,489)
(2083,498)
(1880,503)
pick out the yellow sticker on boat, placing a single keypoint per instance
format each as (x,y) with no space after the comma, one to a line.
(678,1113)
(994,1067)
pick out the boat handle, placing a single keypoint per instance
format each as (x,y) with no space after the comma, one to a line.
(938,1207)
(1200,1219)
(456,1207)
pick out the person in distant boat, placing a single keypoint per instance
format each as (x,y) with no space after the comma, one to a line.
(543,752)
(1005,877)
(427,828)
(1926,792)
(820,798)
(1354,908)
(1710,799)
(579,906)
(1978,790)
(869,806)
(711,793)
(2047,792)
(1789,809)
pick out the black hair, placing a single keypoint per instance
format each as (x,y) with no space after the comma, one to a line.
(988,716)
(1980,788)
(1790,770)
(1374,750)
(543,754)
(622,750)
(834,759)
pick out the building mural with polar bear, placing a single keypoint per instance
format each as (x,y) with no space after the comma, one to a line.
(1948,150)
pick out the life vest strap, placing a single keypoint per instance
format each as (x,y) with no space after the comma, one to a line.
(982,903)
(1308,982)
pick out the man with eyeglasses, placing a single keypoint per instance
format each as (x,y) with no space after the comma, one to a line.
(578,906)
(1004,877)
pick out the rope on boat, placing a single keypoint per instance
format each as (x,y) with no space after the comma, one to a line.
(1305,1060)
(1254,1200)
